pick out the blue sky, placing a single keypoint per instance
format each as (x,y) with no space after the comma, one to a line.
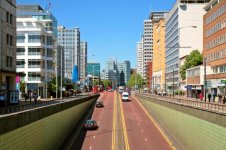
(111,27)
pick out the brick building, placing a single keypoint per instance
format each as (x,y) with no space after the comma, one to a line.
(214,45)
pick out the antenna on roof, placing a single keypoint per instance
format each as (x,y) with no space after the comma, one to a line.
(48,6)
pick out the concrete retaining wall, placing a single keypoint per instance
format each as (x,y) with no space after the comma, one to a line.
(191,129)
(44,128)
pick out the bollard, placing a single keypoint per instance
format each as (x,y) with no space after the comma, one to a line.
(51,97)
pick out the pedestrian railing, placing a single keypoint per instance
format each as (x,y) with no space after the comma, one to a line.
(208,106)
(13,109)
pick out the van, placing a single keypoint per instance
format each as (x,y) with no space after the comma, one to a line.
(125,96)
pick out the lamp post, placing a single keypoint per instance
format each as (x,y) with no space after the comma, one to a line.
(173,83)
(179,49)
(56,81)
(205,84)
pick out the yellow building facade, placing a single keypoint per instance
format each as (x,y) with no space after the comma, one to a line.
(159,55)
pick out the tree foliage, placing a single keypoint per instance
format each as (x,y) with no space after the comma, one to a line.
(106,83)
(22,86)
(192,60)
(137,80)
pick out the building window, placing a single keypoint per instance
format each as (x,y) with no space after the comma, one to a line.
(34,38)
(9,39)
(20,38)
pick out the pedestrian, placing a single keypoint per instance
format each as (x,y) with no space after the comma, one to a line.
(220,98)
(224,100)
(209,97)
(35,96)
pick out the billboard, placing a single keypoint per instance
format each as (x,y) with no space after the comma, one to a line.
(75,74)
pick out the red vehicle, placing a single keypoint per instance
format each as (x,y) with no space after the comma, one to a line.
(98,88)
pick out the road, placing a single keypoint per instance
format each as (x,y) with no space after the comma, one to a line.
(124,125)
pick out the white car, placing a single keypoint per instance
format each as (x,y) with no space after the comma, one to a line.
(125,96)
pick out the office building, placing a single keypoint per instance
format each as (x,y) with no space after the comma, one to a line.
(158,20)
(124,67)
(59,61)
(214,45)
(83,60)
(184,33)
(147,45)
(7,45)
(140,57)
(69,39)
(36,46)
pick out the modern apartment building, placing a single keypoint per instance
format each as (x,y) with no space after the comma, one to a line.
(214,45)
(125,68)
(140,57)
(83,60)
(184,33)
(70,40)
(8,45)
(158,21)
(36,46)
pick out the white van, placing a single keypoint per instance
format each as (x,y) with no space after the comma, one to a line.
(125,96)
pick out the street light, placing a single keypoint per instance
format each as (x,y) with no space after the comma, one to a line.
(179,48)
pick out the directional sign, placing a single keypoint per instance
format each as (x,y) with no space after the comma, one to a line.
(223,81)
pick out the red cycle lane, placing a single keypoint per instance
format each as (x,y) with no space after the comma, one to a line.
(101,139)
(142,133)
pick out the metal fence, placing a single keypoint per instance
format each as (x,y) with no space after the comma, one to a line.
(13,109)
(207,106)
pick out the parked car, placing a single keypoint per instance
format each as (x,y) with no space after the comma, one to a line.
(90,125)
(99,104)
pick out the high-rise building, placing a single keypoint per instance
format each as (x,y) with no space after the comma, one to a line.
(184,33)
(214,45)
(125,68)
(147,45)
(140,57)
(36,45)
(158,20)
(93,68)
(70,40)
(83,60)
(8,44)
(59,61)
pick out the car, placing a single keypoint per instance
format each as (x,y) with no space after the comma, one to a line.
(125,96)
(90,125)
(99,104)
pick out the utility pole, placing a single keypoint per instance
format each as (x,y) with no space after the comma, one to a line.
(61,74)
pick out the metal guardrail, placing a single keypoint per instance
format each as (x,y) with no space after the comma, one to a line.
(207,106)
(13,109)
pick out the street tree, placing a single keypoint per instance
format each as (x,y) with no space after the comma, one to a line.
(106,83)
(136,80)
(192,60)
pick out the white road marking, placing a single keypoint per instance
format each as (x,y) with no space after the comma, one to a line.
(94,137)
(90,147)
(142,130)
(146,140)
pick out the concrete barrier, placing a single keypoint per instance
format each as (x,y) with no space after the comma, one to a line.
(191,128)
(42,128)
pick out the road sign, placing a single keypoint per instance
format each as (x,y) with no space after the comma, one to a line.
(223,81)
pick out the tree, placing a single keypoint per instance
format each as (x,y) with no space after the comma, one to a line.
(122,79)
(137,80)
(22,86)
(106,83)
(192,60)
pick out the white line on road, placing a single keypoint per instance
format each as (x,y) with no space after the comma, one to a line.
(146,140)
(142,130)
(90,147)
(94,137)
